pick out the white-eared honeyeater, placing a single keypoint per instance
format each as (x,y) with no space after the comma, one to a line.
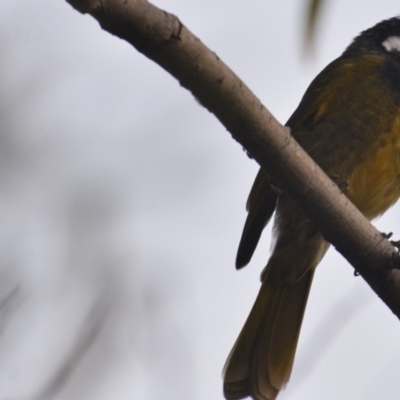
(348,121)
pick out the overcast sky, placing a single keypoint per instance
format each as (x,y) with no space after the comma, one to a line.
(122,202)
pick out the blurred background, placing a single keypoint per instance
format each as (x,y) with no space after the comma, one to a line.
(122,202)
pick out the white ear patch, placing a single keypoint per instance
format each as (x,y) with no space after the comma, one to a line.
(392,43)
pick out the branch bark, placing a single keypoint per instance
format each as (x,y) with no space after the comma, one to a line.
(164,39)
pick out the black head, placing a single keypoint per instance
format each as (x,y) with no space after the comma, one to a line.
(381,39)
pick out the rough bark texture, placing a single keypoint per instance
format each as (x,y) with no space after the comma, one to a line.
(163,38)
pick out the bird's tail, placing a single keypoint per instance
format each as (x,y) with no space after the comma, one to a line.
(260,363)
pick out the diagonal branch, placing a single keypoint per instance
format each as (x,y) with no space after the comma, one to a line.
(164,39)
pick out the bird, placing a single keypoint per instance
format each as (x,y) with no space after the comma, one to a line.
(348,121)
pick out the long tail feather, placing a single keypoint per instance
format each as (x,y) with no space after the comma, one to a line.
(261,360)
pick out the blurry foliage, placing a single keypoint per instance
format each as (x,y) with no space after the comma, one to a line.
(313,11)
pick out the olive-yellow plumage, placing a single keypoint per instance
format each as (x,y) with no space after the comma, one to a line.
(349,123)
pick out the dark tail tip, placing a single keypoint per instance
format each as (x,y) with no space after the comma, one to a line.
(236,390)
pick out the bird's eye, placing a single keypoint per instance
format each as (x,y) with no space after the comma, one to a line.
(392,43)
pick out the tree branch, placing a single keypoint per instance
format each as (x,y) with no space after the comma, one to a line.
(164,39)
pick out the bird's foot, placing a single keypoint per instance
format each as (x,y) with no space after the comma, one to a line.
(342,185)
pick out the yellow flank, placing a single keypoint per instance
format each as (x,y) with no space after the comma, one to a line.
(374,186)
